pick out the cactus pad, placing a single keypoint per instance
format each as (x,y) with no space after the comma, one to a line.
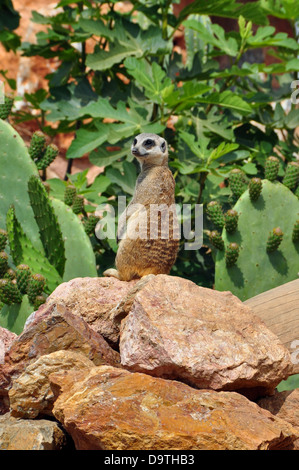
(257,270)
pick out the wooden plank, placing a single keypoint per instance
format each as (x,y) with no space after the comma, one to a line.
(279,310)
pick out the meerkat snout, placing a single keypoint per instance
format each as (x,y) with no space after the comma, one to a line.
(150,148)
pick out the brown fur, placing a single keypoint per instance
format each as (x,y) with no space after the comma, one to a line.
(155,185)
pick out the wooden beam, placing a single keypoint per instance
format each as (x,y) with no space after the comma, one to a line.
(278,308)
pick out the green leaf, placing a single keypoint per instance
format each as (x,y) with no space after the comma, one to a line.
(152,78)
(229,100)
(103,157)
(187,95)
(265,37)
(86,141)
(127,44)
(226,9)
(284,9)
(292,119)
(127,180)
(215,36)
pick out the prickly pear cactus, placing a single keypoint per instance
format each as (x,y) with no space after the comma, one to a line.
(256,268)
(16,167)
(42,232)
(80,259)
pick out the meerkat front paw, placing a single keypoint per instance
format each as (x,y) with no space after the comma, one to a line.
(111,273)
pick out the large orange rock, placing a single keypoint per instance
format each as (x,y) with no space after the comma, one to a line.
(19,434)
(284,405)
(209,339)
(110,408)
(55,329)
(102,302)
(30,394)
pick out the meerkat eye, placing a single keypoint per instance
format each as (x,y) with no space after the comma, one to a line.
(163,146)
(148,143)
(135,142)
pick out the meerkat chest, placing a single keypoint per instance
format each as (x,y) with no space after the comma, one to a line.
(155,187)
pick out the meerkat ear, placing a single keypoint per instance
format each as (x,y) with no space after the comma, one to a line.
(163,146)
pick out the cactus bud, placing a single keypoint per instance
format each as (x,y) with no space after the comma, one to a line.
(37,146)
(69,195)
(78,205)
(215,213)
(48,157)
(231,220)
(231,254)
(3,263)
(6,107)
(9,292)
(271,168)
(38,301)
(3,239)
(216,240)
(23,273)
(237,182)
(90,223)
(36,284)
(274,239)
(255,188)
(295,234)
(10,274)
(291,175)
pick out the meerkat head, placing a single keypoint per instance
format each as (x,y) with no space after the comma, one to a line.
(150,149)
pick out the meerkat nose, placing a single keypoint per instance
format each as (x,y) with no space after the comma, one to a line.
(134,150)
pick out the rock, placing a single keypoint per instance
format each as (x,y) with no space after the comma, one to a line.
(208,339)
(19,434)
(284,405)
(113,409)
(99,301)
(55,329)
(6,339)
(30,394)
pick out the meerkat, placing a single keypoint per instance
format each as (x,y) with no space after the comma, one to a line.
(154,249)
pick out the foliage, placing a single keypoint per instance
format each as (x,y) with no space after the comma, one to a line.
(120,75)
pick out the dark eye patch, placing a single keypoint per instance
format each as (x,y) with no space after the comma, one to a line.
(148,143)
(135,142)
(163,146)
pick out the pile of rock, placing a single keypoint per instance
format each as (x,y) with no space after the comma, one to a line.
(159,363)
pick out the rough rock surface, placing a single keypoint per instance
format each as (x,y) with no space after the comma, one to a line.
(284,405)
(6,339)
(54,330)
(208,339)
(30,394)
(19,434)
(99,301)
(110,408)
